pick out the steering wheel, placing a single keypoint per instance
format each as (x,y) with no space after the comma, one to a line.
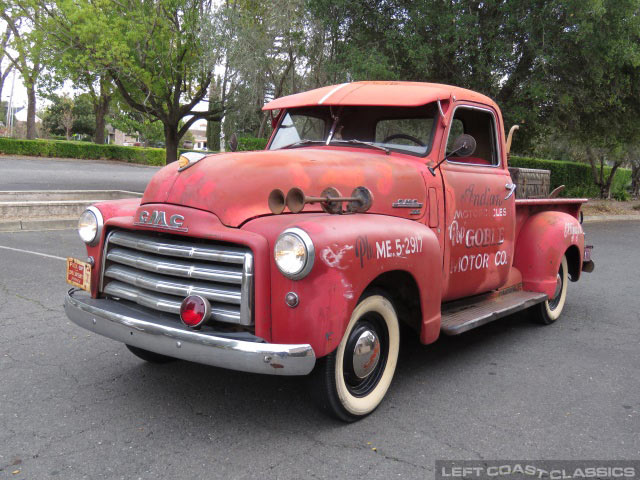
(406,137)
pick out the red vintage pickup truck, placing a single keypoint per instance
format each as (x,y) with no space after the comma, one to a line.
(375,206)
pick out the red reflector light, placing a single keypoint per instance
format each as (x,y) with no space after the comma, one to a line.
(194,311)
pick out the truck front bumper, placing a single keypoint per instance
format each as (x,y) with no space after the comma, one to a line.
(137,327)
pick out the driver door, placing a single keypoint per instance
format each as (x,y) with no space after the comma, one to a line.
(480,220)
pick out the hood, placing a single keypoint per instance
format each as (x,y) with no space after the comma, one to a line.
(235,186)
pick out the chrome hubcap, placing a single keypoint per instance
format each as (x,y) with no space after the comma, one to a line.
(366,354)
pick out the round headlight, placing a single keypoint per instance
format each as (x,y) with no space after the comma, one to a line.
(90,225)
(294,253)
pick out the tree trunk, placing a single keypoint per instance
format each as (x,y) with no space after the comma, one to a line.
(3,118)
(607,185)
(101,112)
(635,179)
(263,124)
(31,112)
(171,142)
(101,109)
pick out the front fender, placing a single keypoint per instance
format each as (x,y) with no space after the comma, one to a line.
(110,210)
(541,243)
(350,252)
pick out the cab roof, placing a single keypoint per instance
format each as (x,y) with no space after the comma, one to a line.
(378,94)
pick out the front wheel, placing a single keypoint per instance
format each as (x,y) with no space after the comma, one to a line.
(351,382)
(550,310)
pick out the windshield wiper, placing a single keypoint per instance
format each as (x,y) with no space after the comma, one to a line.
(369,144)
(303,142)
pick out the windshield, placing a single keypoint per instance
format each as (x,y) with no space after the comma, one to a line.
(402,129)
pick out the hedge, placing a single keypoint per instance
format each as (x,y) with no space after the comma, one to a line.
(576,177)
(251,143)
(71,149)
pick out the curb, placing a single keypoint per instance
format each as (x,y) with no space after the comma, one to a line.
(50,209)
(609,218)
(34,225)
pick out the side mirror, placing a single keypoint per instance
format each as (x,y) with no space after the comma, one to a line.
(463,146)
(233,142)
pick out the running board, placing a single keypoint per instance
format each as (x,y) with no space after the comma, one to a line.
(458,318)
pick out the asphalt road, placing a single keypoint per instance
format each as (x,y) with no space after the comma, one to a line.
(33,173)
(75,405)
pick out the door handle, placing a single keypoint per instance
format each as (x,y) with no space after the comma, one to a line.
(512,188)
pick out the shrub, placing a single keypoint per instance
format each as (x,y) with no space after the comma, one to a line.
(92,151)
(576,177)
(621,195)
(251,143)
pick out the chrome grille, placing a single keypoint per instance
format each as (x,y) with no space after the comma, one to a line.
(158,271)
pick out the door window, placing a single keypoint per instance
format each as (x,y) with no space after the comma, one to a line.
(481,125)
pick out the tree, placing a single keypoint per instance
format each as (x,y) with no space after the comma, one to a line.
(69,116)
(495,47)
(4,73)
(160,54)
(635,177)
(124,118)
(269,43)
(27,41)
(596,79)
(63,65)
(213,127)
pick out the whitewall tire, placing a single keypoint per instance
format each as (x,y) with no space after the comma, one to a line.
(351,382)
(550,310)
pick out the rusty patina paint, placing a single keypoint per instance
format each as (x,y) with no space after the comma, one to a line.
(235,186)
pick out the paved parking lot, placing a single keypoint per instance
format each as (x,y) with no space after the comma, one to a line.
(33,173)
(74,405)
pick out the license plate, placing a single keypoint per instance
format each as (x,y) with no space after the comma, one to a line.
(79,274)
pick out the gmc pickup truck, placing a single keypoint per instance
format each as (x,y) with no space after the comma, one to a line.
(375,206)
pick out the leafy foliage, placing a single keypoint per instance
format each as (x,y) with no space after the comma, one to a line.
(160,54)
(81,108)
(251,143)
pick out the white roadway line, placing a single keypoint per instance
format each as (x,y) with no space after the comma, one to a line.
(34,253)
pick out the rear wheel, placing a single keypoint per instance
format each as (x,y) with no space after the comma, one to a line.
(351,382)
(151,357)
(550,310)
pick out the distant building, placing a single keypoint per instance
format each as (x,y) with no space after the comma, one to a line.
(20,115)
(199,139)
(118,137)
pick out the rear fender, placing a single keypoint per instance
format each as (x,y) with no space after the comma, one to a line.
(543,240)
(351,251)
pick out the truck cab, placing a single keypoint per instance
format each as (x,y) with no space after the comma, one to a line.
(375,205)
